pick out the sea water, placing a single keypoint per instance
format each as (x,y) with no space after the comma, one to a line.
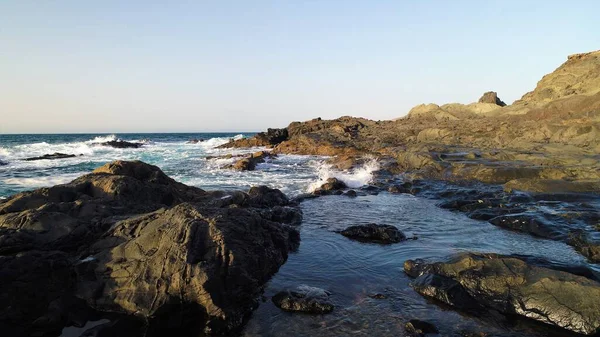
(351,271)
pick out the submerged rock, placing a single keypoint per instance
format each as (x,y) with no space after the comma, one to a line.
(374,233)
(305,299)
(128,243)
(511,286)
(194,141)
(121,144)
(418,328)
(56,155)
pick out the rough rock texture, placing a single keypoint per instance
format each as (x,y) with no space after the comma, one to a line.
(55,155)
(304,299)
(249,163)
(552,134)
(374,233)
(511,286)
(130,244)
(491,97)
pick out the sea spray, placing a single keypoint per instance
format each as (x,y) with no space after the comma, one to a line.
(355,178)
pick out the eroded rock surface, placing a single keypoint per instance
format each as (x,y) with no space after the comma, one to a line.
(304,299)
(130,244)
(511,286)
(375,233)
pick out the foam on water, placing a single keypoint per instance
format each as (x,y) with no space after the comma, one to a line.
(353,178)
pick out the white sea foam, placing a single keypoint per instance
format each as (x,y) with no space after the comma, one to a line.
(35,182)
(353,178)
(102,139)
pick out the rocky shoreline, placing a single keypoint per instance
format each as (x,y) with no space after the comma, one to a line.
(128,251)
(147,255)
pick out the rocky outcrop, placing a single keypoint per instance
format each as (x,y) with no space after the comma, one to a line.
(491,97)
(249,163)
(55,155)
(304,299)
(384,234)
(127,243)
(121,144)
(511,286)
(580,75)
(195,141)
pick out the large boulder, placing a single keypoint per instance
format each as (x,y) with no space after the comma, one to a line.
(511,286)
(127,243)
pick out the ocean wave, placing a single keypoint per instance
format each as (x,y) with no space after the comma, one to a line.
(36,182)
(102,139)
(354,178)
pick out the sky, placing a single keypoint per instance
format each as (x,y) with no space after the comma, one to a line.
(194,66)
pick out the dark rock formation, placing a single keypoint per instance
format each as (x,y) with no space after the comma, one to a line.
(249,163)
(55,155)
(491,97)
(3,163)
(121,144)
(374,233)
(130,244)
(418,328)
(332,184)
(511,286)
(304,299)
(194,141)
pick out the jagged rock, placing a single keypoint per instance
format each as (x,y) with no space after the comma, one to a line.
(491,97)
(511,286)
(55,155)
(333,184)
(249,163)
(305,299)
(374,233)
(121,144)
(130,244)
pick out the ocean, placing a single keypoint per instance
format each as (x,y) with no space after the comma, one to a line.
(172,152)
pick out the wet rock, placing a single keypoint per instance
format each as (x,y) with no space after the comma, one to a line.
(121,144)
(511,286)
(3,163)
(128,243)
(384,234)
(584,245)
(55,155)
(491,97)
(194,141)
(249,163)
(304,299)
(333,184)
(276,136)
(418,328)
(351,194)
(531,224)
(405,187)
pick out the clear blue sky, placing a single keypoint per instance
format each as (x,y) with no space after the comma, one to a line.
(117,66)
